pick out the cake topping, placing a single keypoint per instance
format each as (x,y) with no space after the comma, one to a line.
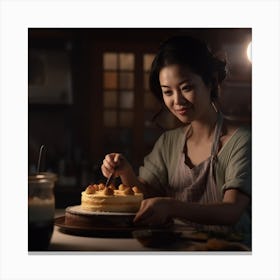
(128,191)
(136,189)
(101,186)
(90,189)
(111,190)
(112,187)
(122,187)
(107,191)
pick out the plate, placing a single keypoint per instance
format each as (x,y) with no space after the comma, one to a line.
(95,231)
(77,209)
(75,215)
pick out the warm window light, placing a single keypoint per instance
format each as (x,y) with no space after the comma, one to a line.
(249,51)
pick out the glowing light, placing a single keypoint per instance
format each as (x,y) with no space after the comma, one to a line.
(249,51)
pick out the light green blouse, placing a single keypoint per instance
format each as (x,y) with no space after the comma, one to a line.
(232,168)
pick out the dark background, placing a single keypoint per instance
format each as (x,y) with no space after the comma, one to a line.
(81,107)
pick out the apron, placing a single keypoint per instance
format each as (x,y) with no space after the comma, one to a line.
(198,184)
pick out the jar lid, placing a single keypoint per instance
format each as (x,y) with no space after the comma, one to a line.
(42,177)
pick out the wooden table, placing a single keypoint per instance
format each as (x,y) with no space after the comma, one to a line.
(69,242)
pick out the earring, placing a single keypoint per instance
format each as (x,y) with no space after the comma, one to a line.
(214,106)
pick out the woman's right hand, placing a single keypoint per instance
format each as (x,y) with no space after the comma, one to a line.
(116,163)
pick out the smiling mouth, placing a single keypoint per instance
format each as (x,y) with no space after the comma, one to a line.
(182,111)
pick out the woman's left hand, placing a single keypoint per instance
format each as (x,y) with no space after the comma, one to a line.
(154,211)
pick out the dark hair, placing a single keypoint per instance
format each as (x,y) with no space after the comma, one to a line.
(190,52)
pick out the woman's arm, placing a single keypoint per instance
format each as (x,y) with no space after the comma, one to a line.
(226,213)
(160,210)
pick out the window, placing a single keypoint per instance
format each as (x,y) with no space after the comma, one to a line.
(118,101)
(118,89)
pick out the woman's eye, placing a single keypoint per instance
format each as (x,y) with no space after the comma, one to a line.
(167,92)
(187,88)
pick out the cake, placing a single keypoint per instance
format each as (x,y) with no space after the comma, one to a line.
(110,199)
(105,207)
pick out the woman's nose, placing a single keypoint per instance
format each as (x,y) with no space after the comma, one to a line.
(179,98)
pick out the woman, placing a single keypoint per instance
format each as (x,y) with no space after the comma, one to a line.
(200,172)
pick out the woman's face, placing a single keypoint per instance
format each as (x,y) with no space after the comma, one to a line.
(184,93)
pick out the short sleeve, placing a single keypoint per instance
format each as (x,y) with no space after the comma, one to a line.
(238,174)
(154,171)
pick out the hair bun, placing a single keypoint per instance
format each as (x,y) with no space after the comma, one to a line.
(219,67)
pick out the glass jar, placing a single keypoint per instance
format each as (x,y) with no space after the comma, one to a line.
(41,207)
